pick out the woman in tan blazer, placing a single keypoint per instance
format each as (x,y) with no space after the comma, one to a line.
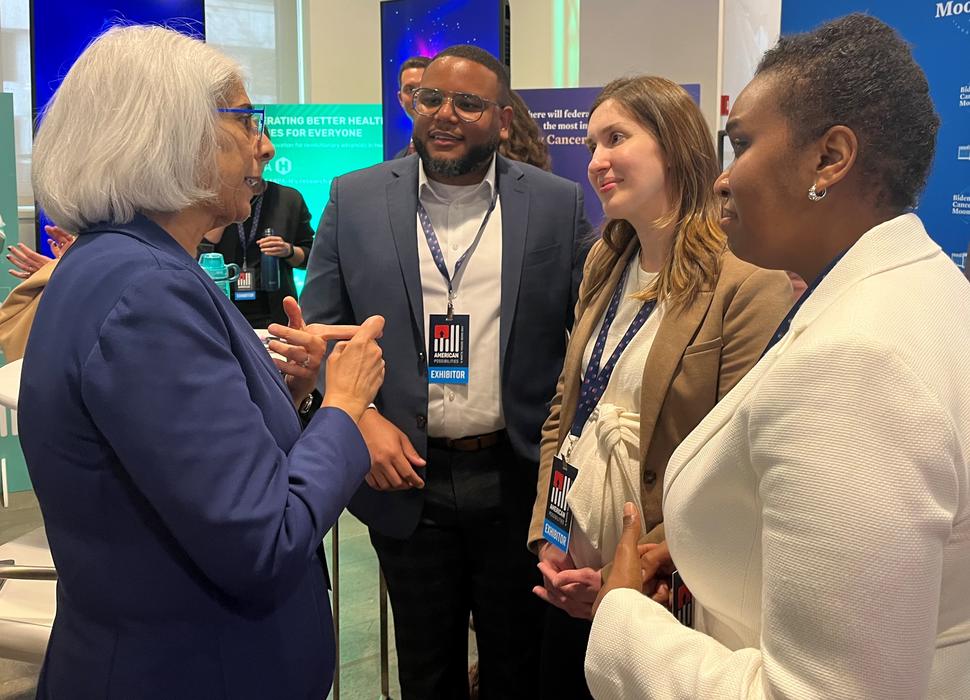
(684,320)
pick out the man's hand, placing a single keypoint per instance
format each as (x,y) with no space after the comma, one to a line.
(392,456)
(627,572)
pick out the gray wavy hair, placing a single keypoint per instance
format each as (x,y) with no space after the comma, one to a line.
(133,128)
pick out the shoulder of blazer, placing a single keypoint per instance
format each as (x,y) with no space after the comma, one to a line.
(734,272)
(602,257)
(357,181)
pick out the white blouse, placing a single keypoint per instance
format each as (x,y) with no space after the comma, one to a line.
(607,454)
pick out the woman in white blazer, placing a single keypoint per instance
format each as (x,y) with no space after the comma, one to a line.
(821,512)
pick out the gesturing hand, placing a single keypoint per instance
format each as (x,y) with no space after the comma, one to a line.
(355,370)
(303,347)
(28,261)
(59,241)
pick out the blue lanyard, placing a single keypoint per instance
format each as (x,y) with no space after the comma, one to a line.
(245,240)
(595,380)
(790,316)
(439,259)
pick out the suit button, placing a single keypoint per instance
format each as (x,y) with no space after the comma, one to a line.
(421,357)
(649,477)
(422,420)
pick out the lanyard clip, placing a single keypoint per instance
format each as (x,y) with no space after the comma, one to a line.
(572,440)
(451,306)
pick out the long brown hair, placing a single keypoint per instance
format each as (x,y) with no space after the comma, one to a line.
(666,110)
(525,142)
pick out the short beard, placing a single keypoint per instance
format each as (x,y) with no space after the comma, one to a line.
(477,158)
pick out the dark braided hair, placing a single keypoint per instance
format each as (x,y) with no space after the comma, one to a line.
(858,72)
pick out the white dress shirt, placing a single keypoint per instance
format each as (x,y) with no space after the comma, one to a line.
(456,212)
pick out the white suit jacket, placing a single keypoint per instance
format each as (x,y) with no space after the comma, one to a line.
(820,513)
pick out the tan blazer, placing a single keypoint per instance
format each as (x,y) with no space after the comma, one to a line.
(18,311)
(699,353)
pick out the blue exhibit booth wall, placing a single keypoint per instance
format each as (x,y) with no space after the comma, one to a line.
(939,33)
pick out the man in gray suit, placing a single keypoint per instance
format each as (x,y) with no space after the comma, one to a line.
(474,261)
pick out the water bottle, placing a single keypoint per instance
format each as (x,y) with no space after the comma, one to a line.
(269,267)
(223,275)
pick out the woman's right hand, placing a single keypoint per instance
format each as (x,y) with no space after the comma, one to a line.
(355,370)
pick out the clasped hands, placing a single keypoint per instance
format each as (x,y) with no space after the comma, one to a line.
(355,365)
(642,567)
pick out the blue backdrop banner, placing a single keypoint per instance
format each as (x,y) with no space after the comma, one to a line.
(940,34)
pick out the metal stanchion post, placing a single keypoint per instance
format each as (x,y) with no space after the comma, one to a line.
(385,663)
(336,606)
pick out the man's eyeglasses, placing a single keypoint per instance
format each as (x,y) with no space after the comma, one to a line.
(254,120)
(467,107)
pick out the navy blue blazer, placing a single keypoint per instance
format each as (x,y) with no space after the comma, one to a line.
(365,262)
(182,502)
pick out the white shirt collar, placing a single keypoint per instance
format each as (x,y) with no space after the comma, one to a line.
(487,185)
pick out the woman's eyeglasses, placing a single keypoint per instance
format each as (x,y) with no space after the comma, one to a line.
(253,119)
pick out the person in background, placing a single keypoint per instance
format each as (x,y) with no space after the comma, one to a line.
(453,465)
(408,80)
(283,210)
(668,321)
(526,142)
(18,309)
(820,514)
(183,504)
(27,261)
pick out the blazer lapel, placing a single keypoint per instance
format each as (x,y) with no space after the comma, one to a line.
(402,207)
(579,339)
(677,328)
(514,198)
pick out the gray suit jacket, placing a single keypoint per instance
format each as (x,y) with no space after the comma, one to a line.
(365,262)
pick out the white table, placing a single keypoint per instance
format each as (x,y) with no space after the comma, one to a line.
(26,607)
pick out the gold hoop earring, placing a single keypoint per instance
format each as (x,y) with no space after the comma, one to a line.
(815,195)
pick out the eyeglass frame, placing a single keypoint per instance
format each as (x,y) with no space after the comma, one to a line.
(450,97)
(252,112)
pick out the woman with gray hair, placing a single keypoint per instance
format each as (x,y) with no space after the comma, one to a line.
(183,504)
